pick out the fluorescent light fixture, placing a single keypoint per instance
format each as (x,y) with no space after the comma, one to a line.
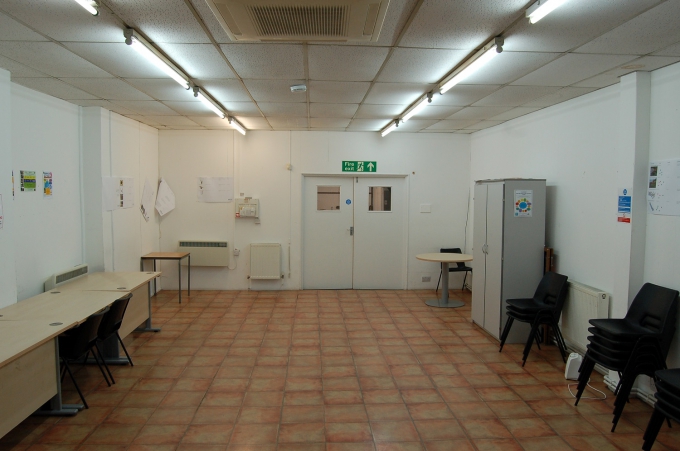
(155,57)
(542,8)
(239,128)
(390,128)
(418,107)
(207,101)
(91,6)
(472,65)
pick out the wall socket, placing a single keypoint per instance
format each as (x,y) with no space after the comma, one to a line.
(426,279)
(237,252)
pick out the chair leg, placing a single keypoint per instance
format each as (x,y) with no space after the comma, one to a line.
(530,341)
(586,369)
(537,338)
(652,430)
(560,340)
(68,369)
(622,398)
(96,359)
(120,340)
(506,331)
(438,281)
(99,351)
(464,279)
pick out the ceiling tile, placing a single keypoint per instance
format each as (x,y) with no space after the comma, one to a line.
(275,91)
(332,110)
(286,123)
(173,120)
(562,95)
(108,88)
(572,68)
(572,25)
(211,122)
(50,58)
(283,109)
(464,95)
(117,58)
(143,120)
(266,61)
(241,108)
(452,124)
(515,95)
(650,31)
(345,63)
(464,132)
(225,90)
(146,107)
(54,87)
(198,60)
(18,69)
(65,20)
(509,66)
(420,65)
(415,125)
(397,15)
(11,30)
(437,111)
(474,23)
(479,112)
(189,108)
(104,104)
(483,124)
(254,123)
(379,111)
(646,63)
(162,89)
(337,91)
(210,21)
(397,93)
(671,50)
(367,124)
(515,113)
(165,21)
(328,122)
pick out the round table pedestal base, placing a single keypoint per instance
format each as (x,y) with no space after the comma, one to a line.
(451,303)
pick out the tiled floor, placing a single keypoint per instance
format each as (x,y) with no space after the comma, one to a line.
(333,371)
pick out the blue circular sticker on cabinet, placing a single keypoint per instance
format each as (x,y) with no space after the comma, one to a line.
(348,201)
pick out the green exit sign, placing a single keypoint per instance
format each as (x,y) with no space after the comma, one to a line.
(359,166)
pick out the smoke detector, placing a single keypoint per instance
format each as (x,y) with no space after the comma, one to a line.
(301,20)
(298,88)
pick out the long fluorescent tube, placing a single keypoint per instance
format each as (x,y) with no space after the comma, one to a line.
(486,54)
(91,6)
(153,56)
(542,8)
(390,128)
(418,108)
(239,128)
(210,103)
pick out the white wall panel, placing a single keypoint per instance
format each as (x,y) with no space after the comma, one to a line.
(8,295)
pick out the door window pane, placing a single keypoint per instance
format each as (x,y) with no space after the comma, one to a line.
(379,198)
(327,198)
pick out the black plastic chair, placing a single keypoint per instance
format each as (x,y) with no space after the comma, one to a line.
(544,308)
(634,345)
(667,406)
(110,325)
(78,342)
(460,266)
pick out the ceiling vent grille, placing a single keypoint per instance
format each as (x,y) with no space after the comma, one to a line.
(301,20)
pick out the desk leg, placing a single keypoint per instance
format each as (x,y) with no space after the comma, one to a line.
(189,276)
(147,327)
(54,406)
(179,267)
(445,301)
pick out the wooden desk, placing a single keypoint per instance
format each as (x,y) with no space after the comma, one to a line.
(445,258)
(170,256)
(59,306)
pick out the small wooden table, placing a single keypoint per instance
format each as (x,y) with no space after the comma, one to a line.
(445,258)
(170,256)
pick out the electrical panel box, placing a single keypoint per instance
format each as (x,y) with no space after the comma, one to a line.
(247,208)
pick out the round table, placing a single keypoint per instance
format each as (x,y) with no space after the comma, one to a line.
(445,258)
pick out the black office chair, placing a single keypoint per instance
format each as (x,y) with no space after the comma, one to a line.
(110,325)
(78,342)
(460,266)
(634,345)
(544,308)
(667,405)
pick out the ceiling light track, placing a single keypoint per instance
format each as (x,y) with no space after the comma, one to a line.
(90,6)
(237,125)
(392,126)
(473,64)
(542,8)
(208,101)
(417,107)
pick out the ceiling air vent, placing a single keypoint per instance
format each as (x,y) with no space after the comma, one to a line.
(300,20)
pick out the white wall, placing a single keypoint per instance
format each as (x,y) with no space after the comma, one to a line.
(8,293)
(437,167)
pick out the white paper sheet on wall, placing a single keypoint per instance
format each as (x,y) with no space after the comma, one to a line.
(118,192)
(215,189)
(147,201)
(663,191)
(165,200)
(1,216)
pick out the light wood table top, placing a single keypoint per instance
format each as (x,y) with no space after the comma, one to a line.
(21,337)
(122,282)
(165,255)
(67,307)
(444,257)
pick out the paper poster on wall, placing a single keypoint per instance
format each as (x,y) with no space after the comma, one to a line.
(215,189)
(2,218)
(624,207)
(146,206)
(663,191)
(165,200)
(523,201)
(118,192)
(47,184)
(28,181)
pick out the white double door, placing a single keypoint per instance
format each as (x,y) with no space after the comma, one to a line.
(354,233)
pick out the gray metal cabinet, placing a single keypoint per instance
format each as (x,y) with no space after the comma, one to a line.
(508,241)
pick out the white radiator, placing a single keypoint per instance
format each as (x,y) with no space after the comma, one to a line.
(205,253)
(265,261)
(583,303)
(65,276)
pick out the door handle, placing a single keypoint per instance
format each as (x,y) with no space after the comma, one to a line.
(351,231)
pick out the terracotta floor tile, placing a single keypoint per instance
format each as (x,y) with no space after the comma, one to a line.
(67,434)
(511,409)
(527,427)
(352,413)
(548,407)
(544,443)
(377,383)
(154,384)
(348,432)
(571,425)
(299,447)
(129,415)
(218,434)
(421,396)
(304,371)
(302,414)
(267,398)
(259,415)
(301,432)
(183,399)
(366,446)
(449,445)
(143,399)
(497,394)
(160,434)
(604,424)
(254,434)
(497,445)
(400,446)
(302,398)
(394,431)
(432,411)
(590,443)
(373,370)
(112,434)
(342,397)
(461,394)
(387,412)
(268,384)
(223,399)
(487,428)
(382,397)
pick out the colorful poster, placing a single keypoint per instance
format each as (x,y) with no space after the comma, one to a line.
(663,191)
(47,184)
(523,201)
(28,181)
(1,217)
(624,208)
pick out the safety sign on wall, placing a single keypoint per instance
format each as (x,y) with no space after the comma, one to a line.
(523,200)
(625,205)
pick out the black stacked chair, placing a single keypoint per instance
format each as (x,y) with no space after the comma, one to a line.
(667,405)
(634,345)
(544,308)
(460,266)
(110,324)
(78,342)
